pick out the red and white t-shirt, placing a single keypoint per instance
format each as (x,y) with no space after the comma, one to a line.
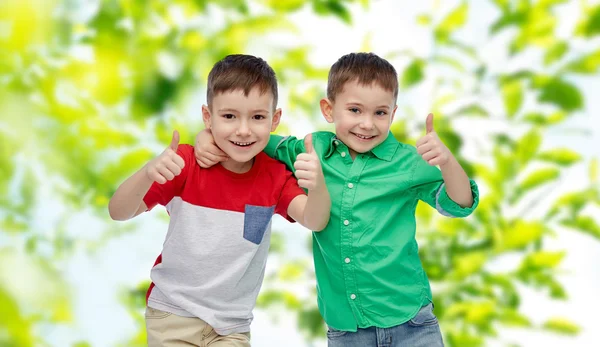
(213,259)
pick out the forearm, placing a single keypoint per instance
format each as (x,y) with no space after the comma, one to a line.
(457,183)
(317,209)
(126,201)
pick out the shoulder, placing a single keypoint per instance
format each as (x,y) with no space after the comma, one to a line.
(269,164)
(185,150)
(322,137)
(407,152)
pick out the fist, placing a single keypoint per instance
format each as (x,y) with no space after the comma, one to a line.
(308,167)
(430,147)
(206,151)
(167,165)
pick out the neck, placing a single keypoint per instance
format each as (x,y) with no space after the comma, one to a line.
(237,167)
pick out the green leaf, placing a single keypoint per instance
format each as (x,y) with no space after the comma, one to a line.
(573,202)
(512,93)
(413,73)
(593,171)
(543,259)
(539,177)
(455,63)
(508,19)
(521,234)
(454,20)
(424,19)
(14,326)
(560,156)
(528,146)
(333,7)
(468,264)
(590,26)
(543,120)
(555,52)
(473,110)
(585,224)
(513,318)
(33,282)
(562,94)
(587,64)
(562,326)
(285,5)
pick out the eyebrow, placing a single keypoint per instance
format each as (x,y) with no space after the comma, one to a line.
(361,105)
(231,110)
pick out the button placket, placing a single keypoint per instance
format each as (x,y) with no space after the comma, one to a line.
(347,226)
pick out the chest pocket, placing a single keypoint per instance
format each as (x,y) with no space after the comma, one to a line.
(256,220)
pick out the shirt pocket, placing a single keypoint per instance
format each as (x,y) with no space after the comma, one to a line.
(256,220)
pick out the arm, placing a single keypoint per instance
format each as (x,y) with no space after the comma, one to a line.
(434,152)
(313,211)
(457,183)
(127,202)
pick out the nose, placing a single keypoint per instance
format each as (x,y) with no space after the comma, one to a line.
(243,129)
(367,122)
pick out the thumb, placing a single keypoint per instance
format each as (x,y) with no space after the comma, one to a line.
(429,123)
(174,141)
(308,145)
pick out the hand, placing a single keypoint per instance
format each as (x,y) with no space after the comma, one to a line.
(167,165)
(206,151)
(308,167)
(431,148)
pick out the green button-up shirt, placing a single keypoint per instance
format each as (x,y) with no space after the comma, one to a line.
(366,259)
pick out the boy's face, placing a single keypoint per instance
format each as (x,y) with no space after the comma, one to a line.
(362,115)
(241,124)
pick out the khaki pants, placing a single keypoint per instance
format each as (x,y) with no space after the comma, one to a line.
(168,330)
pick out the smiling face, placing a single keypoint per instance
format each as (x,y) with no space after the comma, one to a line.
(362,115)
(241,124)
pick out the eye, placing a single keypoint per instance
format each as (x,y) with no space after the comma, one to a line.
(381,113)
(228,116)
(354,110)
(259,117)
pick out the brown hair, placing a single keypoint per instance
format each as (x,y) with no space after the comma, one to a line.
(364,67)
(241,71)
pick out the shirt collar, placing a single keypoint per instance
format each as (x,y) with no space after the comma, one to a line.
(384,151)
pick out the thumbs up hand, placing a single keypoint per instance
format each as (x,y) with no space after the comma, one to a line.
(308,167)
(167,165)
(430,147)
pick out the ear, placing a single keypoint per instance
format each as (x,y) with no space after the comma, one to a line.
(276,119)
(393,114)
(206,117)
(327,109)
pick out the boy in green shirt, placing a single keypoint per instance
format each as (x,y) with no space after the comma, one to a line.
(371,286)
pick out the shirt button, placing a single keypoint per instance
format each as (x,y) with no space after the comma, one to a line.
(346,222)
(353,296)
(350,185)
(343,154)
(336,143)
(347,260)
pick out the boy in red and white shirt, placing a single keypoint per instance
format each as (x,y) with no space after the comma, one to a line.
(207,278)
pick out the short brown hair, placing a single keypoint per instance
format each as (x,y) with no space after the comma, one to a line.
(241,71)
(364,67)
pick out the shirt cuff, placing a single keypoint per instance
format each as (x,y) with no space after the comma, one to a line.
(447,207)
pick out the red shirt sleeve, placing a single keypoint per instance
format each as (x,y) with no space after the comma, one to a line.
(163,193)
(288,193)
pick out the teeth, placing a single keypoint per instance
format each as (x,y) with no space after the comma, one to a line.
(242,143)
(363,136)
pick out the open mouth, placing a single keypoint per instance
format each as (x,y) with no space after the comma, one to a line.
(364,137)
(243,144)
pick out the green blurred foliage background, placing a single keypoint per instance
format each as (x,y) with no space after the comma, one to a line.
(89,91)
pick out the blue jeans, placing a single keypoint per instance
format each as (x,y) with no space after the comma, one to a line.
(421,331)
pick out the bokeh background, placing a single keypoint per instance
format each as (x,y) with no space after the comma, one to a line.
(91,90)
